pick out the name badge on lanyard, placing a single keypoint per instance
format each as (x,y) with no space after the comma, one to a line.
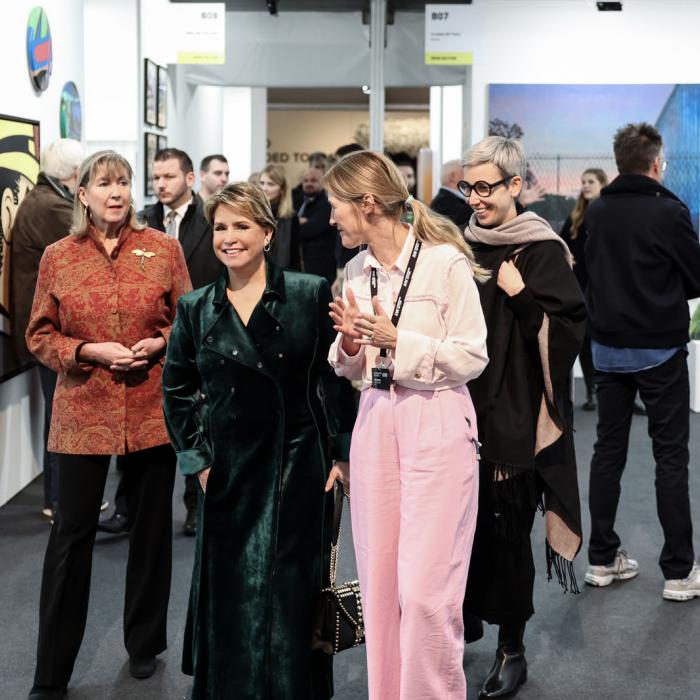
(381,376)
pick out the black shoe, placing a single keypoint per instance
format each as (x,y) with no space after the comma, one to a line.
(590,404)
(115,525)
(509,672)
(473,628)
(46,693)
(639,408)
(189,529)
(142,667)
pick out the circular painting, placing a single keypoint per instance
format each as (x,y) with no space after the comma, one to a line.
(39,53)
(71,112)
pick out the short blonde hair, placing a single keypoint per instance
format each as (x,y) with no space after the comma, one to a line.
(277,174)
(367,172)
(113,163)
(247,198)
(507,155)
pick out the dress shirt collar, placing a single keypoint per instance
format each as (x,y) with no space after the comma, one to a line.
(181,210)
(401,262)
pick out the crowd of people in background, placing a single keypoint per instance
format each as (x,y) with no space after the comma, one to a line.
(220,328)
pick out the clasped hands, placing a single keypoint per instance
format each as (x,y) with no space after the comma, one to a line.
(358,328)
(118,357)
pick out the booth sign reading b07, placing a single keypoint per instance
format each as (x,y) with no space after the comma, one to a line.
(446,39)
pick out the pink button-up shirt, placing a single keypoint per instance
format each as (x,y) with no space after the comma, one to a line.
(441,340)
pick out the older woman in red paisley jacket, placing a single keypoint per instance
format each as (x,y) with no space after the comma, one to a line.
(103,309)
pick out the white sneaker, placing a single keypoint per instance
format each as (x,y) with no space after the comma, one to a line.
(684,588)
(621,569)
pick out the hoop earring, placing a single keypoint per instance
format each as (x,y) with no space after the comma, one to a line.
(267,246)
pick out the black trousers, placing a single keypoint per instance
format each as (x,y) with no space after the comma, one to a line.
(65,585)
(48,386)
(586,359)
(189,497)
(665,392)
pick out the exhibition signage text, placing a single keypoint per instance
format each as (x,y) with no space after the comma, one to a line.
(446,39)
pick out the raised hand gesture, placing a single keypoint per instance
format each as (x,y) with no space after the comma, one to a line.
(344,317)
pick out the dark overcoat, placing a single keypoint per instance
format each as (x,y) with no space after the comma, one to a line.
(249,402)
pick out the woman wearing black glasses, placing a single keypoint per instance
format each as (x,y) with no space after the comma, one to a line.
(535,318)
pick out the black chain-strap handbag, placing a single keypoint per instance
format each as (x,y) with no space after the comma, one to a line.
(339,624)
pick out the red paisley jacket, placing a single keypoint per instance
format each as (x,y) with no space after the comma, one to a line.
(83,295)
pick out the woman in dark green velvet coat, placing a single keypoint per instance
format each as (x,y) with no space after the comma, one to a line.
(244,399)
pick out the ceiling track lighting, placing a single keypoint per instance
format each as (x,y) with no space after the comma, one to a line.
(272,7)
(609,6)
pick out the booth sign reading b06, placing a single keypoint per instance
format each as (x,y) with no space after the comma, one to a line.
(446,39)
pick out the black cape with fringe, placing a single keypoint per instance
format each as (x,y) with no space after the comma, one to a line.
(523,398)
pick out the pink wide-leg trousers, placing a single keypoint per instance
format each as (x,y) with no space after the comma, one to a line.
(414,497)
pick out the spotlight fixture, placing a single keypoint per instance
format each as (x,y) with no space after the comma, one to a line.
(609,6)
(272,7)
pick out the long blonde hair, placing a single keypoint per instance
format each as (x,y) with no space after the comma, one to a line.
(582,202)
(277,174)
(113,163)
(362,172)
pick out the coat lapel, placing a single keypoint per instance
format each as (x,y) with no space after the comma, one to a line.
(229,337)
(190,232)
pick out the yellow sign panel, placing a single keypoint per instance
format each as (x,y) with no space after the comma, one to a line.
(201,57)
(449,58)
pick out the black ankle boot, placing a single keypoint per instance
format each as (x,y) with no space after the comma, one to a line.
(509,672)
(473,628)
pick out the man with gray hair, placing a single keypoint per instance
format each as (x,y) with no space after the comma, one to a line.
(44,216)
(449,201)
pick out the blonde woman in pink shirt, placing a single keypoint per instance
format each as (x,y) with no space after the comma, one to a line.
(410,327)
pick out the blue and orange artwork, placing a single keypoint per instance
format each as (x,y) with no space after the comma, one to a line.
(71,115)
(39,49)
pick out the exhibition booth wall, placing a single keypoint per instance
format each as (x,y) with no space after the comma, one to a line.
(101,45)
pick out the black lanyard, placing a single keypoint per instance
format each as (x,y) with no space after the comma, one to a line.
(407,277)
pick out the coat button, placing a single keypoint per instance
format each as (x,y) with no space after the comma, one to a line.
(417,375)
(221,362)
(234,352)
(259,365)
(281,355)
(277,328)
(233,390)
(210,339)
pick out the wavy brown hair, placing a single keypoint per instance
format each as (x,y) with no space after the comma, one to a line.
(362,172)
(582,202)
(113,164)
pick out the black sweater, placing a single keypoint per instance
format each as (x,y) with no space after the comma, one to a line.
(643,260)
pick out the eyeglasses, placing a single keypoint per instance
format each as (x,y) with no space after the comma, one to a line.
(481,187)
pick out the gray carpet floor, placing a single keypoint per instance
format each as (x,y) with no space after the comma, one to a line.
(621,642)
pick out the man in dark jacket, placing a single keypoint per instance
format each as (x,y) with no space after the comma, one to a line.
(179,213)
(643,260)
(318,237)
(44,217)
(449,201)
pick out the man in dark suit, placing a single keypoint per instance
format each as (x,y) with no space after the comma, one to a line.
(318,237)
(449,201)
(179,212)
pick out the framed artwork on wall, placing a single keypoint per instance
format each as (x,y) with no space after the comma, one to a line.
(162,97)
(162,142)
(19,168)
(39,49)
(150,148)
(150,92)
(71,112)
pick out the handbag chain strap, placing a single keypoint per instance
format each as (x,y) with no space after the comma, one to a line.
(335,542)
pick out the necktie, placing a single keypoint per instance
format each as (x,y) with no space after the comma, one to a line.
(171,223)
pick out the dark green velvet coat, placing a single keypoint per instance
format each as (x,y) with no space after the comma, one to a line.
(250,403)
